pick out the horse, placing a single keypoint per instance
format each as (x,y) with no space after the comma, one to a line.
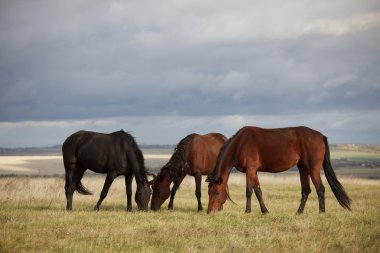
(113,154)
(254,149)
(194,155)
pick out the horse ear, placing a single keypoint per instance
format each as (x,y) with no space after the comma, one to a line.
(219,181)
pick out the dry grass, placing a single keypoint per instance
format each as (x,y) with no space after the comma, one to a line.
(33,219)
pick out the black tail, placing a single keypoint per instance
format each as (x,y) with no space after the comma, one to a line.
(335,185)
(82,190)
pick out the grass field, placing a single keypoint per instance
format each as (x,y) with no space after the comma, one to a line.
(33,219)
(339,154)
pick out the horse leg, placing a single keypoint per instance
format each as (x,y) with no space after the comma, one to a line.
(248,191)
(74,176)
(253,182)
(172,194)
(257,189)
(109,179)
(174,190)
(69,188)
(316,178)
(128,187)
(198,192)
(305,186)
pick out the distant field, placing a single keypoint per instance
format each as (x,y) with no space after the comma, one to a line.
(53,164)
(156,158)
(33,219)
(339,154)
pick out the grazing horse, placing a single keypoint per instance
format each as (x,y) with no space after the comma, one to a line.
(194,155)
(254,149)
(113,154)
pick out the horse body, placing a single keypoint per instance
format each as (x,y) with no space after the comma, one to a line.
(277,150)
(194,155)
(113,154)
(255,149)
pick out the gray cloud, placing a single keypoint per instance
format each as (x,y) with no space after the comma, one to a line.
(95,59)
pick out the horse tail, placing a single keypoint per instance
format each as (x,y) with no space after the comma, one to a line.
(335,185)
(81,189)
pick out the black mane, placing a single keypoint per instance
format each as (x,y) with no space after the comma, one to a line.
(178,162)
(213,178)
(139,155)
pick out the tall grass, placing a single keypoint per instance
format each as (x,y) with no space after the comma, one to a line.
(33,219)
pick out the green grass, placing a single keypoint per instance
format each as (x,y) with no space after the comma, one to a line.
(33,219)
(338,154)
(359,172)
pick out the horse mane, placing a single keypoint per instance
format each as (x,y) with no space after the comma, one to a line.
(178,162)
(139,155)
(213,178)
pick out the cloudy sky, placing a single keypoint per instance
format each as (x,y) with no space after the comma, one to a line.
(164,69)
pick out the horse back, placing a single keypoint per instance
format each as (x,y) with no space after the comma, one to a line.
(279,149)
(96,151)
(203,150)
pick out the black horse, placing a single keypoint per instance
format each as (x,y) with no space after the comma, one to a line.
(113,154)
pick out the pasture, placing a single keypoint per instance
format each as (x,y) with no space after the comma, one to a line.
(33,219)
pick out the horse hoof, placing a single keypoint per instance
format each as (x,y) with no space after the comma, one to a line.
(265,212)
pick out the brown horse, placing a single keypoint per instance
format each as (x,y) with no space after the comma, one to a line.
(254,149)
(194,155)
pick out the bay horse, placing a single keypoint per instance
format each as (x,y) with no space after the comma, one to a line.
(194,155)
(113,154)
(254,149)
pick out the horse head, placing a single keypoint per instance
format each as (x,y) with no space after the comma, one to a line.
(144,192)
(217,192)
(161,188)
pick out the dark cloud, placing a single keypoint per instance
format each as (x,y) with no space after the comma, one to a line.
(96,59)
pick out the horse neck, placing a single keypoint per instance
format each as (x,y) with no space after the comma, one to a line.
(226,162)
(140,173)
(225,170)
(177,164)
(165,174)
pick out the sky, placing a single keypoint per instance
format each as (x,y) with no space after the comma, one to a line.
(165,69)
